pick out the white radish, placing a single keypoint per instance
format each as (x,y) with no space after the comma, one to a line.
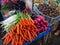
(12,18)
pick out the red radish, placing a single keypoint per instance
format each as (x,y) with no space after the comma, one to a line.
(35,21)
(41,17)
(41,23)
(38,19)
(40,29)
(46,28)
(38,26)
(45,22)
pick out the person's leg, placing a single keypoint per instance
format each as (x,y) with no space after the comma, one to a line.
(58,30)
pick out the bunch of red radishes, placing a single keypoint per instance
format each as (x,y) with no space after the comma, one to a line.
(41,23)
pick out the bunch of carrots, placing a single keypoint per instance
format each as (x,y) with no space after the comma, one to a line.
(24,30)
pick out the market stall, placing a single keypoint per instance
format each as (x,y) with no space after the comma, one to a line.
(21,24)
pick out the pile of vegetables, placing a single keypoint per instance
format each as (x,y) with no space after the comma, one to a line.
(48,10)
(41,23)
(20,28)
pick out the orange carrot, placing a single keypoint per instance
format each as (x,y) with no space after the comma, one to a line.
(9,41)
(13,28)
(20,41)
(6,40)
(13,41)
(17,28)
(5,35)
(25,34)
(22,21)
(22,34)
(30,37)
(34,33)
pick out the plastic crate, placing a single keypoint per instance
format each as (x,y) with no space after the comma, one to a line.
(48,18)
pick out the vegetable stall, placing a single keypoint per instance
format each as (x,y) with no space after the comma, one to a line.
(21,26)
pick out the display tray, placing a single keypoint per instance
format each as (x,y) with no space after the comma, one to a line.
(51,20)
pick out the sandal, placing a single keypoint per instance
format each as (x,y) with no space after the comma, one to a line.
(57,33)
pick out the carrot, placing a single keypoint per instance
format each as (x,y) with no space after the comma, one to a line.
(9,41)
(25,34)
(16,43)
(5,36)
(22,21)
(16,38)
(30,37)
(34,28)
(13,28)
(22,34)
(17,28)
(6,40)
(20,41)
(34,33)
(26,21)
(30,20)
(11,34)
(13,41)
